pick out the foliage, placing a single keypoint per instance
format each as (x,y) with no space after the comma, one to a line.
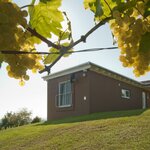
(51,58)
(14,37)
(131,29)
(36,119)
(15,119)
(110,130)
(132,32)
(43,18)
(129,22)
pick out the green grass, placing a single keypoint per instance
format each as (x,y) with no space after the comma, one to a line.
(124,130)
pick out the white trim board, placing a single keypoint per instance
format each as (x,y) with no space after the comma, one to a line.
(68,71)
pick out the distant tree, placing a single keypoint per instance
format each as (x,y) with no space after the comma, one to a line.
(20,118)
(24,117)
(7,120)
(36,119)
(4,122)
(0,126)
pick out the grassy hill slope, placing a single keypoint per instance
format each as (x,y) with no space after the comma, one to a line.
(125,130)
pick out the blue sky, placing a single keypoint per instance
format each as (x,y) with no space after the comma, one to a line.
(34,94)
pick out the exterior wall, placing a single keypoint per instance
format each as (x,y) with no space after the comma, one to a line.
(147,98)
(80,88)
(102,93)
(105,94)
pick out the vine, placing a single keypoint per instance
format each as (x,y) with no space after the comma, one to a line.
(131,32)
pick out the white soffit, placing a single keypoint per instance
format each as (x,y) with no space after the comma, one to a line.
(68,71)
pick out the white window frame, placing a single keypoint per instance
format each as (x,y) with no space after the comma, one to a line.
(65,93)
(124,93)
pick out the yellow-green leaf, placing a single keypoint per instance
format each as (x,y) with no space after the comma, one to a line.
(71,50)
(46,18)
(51,57)
(65,35)
(101,8)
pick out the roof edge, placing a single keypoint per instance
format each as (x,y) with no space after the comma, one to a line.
(115,73)
(77,68)
(90,65)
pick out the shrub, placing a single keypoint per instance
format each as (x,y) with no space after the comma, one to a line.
(36,119)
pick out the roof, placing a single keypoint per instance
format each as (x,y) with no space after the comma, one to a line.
(77,68)
(146,83)
(95,68)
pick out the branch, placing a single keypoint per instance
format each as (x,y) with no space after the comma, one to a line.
(26,6)
(84,37)
(48,68)
(48,42)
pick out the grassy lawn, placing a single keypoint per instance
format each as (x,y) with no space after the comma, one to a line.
(124,130)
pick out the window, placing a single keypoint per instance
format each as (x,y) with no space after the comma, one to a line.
(125,93)
(64,98)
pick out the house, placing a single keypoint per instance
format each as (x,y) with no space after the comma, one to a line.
(89,88)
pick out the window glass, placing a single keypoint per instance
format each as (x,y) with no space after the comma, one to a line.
(125,93)
(64,98)
(62,89)
(68,87)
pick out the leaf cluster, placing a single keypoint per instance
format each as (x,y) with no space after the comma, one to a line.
(46,22)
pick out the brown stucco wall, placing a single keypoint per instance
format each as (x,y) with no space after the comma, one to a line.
(105,94)
(148,98)
(102,94)
(80,88)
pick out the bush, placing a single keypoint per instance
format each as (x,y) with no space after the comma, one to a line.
(36,119)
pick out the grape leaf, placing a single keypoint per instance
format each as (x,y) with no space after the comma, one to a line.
(46,19)
(30,9)
(64,35)
(108,6)
(94,6)
(88,4)
(71,50)
(99,11)
(44,1)
(52,57)
(68,31)
(101,8)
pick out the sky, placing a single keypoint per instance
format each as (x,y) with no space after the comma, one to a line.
(33,95)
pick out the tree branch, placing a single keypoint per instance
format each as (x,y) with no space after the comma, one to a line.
(26,6)
(48,42)
(48,68)
(83,38)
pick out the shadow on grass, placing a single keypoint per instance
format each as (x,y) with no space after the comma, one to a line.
(95,116)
